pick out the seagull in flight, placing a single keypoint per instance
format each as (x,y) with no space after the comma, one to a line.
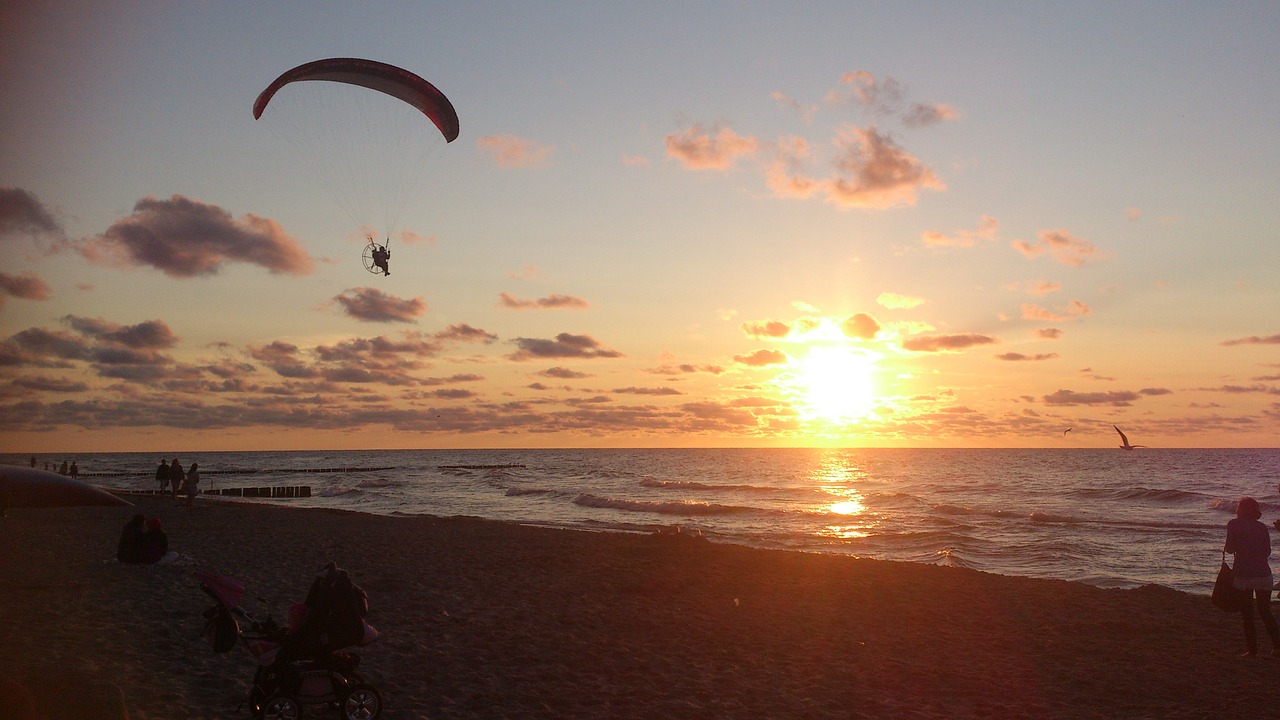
(1064,432)
(1125,440)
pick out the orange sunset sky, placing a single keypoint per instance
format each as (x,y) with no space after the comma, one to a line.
(718,224)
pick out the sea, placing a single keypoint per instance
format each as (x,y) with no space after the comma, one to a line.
(1105,517)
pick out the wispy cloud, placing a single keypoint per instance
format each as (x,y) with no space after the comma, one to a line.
(550,302)
(1074,309)
(895,301)
(946,342)
(699,148)
(1062,246)
(22,214)
(987,227)
(1254,340)
(1019,357)
(1115,398)
(515,152)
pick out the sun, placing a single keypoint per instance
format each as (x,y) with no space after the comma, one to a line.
(835,384)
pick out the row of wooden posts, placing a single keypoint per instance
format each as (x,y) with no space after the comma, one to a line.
(285,491)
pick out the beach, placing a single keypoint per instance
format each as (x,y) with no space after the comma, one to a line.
(483,619)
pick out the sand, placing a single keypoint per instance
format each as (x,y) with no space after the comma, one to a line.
(490,620)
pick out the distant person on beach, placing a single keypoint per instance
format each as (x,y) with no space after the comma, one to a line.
(129,549)
(75,470)
(33,461)
(192,486)
(63,470)
(1250,542)
(162,476)
(176,476)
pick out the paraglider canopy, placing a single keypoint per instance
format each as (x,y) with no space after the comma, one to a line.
(389,79)
(369,132)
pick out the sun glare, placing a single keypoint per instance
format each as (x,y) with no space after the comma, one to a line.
(835,384)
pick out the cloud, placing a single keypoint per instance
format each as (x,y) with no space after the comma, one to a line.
(1043,287)
(373,305)
(22,213)
(946,343)
(41,383)
(806,111)
(888,97)
(564,373)
(126,352)
(1075,309)
(925,114)
(761,358)
(186,238)
(1019,357)
(861,326)
(463,332)
(698,148)
(1245,389)
(151,334)
(873,172)
(1254,340)
(894,301)
(284,358)
(549,302)
(1049,333)
(565,345)
(881,97)
(1069,397)
(987,227)
(685,369)
(647,391)
(758,329)
(1062,246)
(515,152)
(27,286)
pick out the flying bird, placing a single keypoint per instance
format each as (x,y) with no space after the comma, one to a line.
(1064,432)
(1125,440)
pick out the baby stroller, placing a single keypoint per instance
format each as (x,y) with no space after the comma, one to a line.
(302,664)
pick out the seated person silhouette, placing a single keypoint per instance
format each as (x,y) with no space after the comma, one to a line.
(380,257)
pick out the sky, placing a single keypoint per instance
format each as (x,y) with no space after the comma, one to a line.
(714,224)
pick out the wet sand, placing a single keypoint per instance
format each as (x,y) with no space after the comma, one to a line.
(489,620)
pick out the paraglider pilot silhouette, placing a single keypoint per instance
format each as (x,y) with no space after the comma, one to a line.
(379,77)
(380,254)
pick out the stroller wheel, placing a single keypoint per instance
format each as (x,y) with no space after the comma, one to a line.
(280,707)
(363,702)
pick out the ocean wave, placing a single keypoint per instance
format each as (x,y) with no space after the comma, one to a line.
(376,483)
(1044,517)
(681,507)
(518,492)
(1141,494)
(712,487)
(337,491)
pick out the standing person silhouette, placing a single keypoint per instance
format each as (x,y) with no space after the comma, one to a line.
(162,476)
(176,477)
(1250,542)
(192,486)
